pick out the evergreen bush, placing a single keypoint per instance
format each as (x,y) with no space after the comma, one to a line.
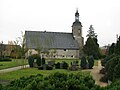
(38,61)
(107,58)
(58,81)
(40,67)
(4,59)
(91,62)
(49,67)
(110,67)
(116,73)
(43,61)
(83,63)
(30,61)
(57,65)
(65,65)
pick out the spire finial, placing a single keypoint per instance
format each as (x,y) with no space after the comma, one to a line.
(76,15)
(77,9)
(117,37)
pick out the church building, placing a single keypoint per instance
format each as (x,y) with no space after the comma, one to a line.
(56,44)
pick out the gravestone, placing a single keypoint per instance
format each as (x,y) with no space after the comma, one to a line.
(61,65)
(44,66)
(74,67)
(35,64)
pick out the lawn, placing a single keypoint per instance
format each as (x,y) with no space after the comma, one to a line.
(32,71)
(13,63)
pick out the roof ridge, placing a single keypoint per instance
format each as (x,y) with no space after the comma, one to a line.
(50,32)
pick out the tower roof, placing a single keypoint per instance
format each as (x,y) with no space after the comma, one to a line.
(77,23)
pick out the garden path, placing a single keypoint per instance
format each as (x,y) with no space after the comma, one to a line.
(96,75)
(13,69)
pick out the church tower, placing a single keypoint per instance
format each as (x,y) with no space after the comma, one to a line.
(77,30)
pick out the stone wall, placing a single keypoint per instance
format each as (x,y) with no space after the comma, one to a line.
(57,53)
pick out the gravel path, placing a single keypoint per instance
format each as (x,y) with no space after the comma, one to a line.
(13,69)
(96,75)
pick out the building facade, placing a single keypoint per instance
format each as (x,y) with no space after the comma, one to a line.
(56,44)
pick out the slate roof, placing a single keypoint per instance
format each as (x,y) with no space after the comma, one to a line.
(50,40)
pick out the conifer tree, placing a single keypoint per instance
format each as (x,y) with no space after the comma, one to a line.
(111,49)
(117,48)
(92,47)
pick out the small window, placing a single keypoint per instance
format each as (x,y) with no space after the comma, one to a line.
(72,56)
(64,49)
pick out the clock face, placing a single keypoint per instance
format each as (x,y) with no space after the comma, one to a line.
(77,18)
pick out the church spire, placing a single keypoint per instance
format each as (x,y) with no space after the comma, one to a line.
(77,15)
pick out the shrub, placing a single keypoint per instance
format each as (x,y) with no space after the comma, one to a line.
(110,67)
(43,61)
(107,58)
(55,81)
(1,65)
(32,58)
(114,85)
(91,62)
(1,87)
(57,66)
(65,65)
(40,67)
(58,81)
(83,62)
(30,61)
(49,67)
(5,59)
(38,61)
(116,73)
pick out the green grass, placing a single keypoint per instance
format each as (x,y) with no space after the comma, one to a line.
(32,71)
(13,63)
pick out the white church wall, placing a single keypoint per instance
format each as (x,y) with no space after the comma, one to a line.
(58,53)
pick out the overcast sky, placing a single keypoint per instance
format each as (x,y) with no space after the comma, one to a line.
(58,16)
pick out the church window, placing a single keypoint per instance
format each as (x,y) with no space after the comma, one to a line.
(72,56)
(64,49)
